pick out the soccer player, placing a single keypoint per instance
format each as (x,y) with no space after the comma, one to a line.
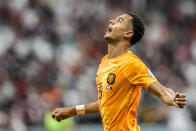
(120,78)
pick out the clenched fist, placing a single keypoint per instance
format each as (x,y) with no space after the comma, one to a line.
(175,99)
(63,113)
(180,99)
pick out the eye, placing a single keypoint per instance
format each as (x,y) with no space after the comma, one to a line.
(119,20)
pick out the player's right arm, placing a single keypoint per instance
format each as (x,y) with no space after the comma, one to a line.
(67,112)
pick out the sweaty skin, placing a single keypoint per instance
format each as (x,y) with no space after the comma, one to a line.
(118,36)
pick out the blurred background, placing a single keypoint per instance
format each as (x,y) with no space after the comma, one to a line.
(50,51)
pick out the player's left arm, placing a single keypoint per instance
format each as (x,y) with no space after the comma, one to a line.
(167,95)
(139,75)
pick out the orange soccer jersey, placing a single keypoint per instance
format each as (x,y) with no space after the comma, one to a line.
(119,83)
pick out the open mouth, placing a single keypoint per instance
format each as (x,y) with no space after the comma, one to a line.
(109,29)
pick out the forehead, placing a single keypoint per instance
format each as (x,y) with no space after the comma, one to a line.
(125,16)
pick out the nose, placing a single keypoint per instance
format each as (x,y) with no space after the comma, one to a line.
(112,22)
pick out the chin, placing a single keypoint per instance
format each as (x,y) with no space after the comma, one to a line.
(107,36)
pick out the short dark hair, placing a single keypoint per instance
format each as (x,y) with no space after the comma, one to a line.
(138,28)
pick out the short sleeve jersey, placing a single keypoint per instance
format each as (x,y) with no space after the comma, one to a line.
(119,82)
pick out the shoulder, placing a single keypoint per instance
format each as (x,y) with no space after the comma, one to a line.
(103,59)
(133,61)
(133,66)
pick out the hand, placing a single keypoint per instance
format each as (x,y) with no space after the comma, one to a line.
(174,99)
(180,99)
(63,113)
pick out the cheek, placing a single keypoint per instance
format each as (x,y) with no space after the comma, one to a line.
(117,31)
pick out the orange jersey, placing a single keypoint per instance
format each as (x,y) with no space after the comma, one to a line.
(119,83)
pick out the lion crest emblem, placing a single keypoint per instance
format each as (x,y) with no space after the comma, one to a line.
(111,78)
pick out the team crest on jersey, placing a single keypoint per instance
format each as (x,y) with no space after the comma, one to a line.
(111,78)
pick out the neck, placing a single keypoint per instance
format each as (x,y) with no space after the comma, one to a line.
(117,49)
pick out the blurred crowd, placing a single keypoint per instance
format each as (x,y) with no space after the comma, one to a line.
(50,51)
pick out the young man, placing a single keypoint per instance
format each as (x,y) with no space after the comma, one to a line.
(120,78)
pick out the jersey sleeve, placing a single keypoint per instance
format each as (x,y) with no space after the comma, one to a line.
(138,74)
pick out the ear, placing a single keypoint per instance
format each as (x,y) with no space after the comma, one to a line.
(129,34)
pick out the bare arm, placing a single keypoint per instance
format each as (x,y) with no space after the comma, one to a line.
(67,112)
(92,107)
(167,95)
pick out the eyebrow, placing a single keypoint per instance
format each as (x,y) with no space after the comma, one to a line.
(120,18)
